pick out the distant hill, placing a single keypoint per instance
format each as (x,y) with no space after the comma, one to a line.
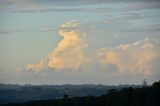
(144,96)
(22,93)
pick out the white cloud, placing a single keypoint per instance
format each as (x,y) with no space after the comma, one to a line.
(69,53)
(37,67)
(134,58)
(70,50)
(139,57)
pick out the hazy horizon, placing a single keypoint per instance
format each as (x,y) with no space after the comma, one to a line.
(54,42)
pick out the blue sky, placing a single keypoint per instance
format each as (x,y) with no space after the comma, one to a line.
(79,41)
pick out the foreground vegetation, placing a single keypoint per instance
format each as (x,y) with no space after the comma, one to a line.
(145,96)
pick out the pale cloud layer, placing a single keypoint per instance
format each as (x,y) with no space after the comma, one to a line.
(68,54)
(34,6)
(139,57)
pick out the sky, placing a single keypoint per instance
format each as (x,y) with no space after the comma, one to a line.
(107,42)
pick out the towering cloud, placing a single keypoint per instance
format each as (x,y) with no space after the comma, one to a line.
(134,58)
(69,53)
(70,50)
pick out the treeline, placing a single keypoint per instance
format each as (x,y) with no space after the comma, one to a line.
(24,93)
(145,96)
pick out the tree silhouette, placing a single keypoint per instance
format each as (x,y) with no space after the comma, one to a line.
(144,84)
(145,96)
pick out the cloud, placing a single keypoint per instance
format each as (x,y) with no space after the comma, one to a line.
(145,5)
(37,67)
(70,50)
(139,57)
(64,1)
(47,9)
(4,32)
(69,53)
(134,58)
(10,31)
(36,6)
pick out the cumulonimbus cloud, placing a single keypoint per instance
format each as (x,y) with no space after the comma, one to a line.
(133,58)
(140,57)
(70,50)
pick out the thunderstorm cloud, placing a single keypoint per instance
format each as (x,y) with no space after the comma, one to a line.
(70,50)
